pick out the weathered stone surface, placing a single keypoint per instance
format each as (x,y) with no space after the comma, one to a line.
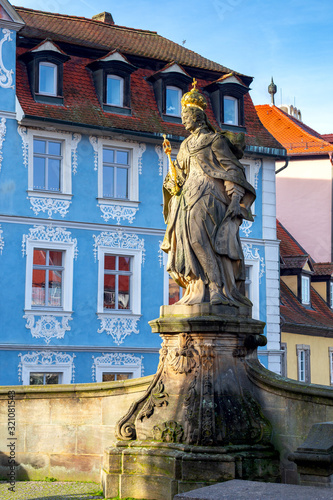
(80,410)
(64,467)
(48,438)
(251,490)
(93,437)
(147,487)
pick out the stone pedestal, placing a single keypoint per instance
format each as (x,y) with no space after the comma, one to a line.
(198,422)
(314,458)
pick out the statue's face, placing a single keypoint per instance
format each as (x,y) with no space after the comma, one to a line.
(188,121)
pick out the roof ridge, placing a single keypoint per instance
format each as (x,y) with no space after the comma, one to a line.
(86,19)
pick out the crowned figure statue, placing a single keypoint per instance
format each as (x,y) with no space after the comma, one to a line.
(206,197)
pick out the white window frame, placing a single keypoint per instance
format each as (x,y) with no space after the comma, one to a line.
(250,174)
(121,90)
(254,288)
(68,264)
(306,298)
(66,164)
(135,288)
(180,93)
(65,372)
(55,78)
(133,172)
(236,101)
(134,370)
(305,350)
(330,358)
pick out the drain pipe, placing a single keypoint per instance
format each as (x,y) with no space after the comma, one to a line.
(284,166)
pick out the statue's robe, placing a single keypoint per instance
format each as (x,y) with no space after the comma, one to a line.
(198,232)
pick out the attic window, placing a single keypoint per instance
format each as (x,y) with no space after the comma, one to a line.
(305,290)
(114,90)
(173,97)
(112,79)
(227,98)
(47,78)
(45,71)
(230,110)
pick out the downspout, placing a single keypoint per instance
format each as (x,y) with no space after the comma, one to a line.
(284,166)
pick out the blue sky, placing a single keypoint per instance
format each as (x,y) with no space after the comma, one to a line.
(291,40)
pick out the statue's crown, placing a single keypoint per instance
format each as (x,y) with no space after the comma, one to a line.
(194,98)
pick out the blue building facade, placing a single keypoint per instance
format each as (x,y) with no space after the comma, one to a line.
(81,173)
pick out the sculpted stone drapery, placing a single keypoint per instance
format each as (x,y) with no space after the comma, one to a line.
(206,197)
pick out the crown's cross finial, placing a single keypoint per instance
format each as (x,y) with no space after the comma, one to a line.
(194,84)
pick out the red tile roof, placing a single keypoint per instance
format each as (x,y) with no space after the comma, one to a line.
(296,318)
(288,245)
(328,138)
(294,262)
(323,268)
(81,105)
(295,136)
(99,35)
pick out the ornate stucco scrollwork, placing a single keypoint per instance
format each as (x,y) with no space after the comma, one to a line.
(182,359)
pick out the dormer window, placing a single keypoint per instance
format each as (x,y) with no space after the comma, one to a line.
(230,110)
(227,98)
(173,97)
(305,290)
(112,79)
(169,84)
(47,81)
(114,90)
(45,71)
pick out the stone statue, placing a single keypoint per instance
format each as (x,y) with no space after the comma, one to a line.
(206,197)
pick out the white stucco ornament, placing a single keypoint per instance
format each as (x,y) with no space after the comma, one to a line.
(48,326)
(6,75)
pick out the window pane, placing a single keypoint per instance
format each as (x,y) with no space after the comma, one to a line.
(109,291)
(173,97)
(174,292)
(51,378)
(124,292)
(55,278)
(230,111)
(40,257)
(108,156)
(36,378)
(38,287)
(114,91)
(54,148)
(122,157)
(39,146)
(110,262)
(124,263)
(39,173)
(108,182)
(47,76)
(55,258)
(53,175)
(123,376)
(121,183)
(109,377)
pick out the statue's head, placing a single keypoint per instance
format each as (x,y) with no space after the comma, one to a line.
(193,109)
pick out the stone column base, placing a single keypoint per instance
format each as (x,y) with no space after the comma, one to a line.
(158,471)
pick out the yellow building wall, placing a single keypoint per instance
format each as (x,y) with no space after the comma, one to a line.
(319,356)
(291,282)
(320,287)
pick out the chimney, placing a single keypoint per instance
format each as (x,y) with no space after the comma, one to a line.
(104,17)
